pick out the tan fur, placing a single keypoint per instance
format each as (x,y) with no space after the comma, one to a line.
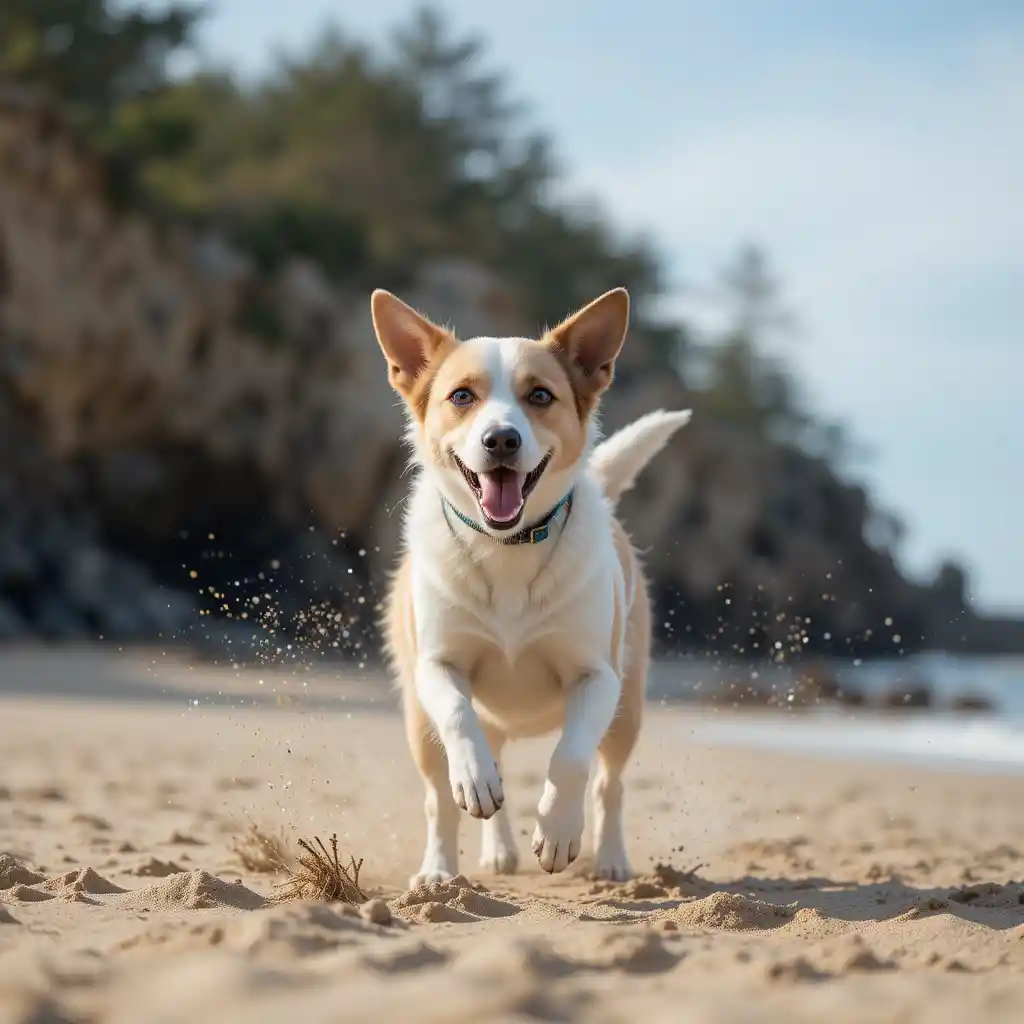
(399,629)
(514,649)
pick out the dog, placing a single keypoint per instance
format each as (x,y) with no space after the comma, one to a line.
(519,606)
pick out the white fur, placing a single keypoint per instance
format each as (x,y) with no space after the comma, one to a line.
(498,357)
(618,461)
(519,641)
(501,408)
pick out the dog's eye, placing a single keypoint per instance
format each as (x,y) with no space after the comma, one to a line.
(540,396)
(462,396)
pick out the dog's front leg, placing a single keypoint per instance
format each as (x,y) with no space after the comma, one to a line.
(589,709)
(472,771)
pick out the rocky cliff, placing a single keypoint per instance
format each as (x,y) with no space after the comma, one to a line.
(189,443)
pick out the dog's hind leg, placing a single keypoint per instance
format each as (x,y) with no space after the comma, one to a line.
(610,859)
(615,749)
(498,852)
(441,856)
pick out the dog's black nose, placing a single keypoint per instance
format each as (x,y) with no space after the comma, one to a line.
(502,441)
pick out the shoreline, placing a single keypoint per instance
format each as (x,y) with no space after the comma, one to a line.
(936,741)
(934,738)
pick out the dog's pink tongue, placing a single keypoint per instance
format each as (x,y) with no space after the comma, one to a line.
(501,494)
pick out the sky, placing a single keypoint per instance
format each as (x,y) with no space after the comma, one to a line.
(874,149)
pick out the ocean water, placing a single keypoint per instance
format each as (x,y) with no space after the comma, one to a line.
(936,737)
(1000,679)
(936,740)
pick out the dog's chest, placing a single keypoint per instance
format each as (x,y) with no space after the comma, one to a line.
(523,694)
(521,662)
(509,621)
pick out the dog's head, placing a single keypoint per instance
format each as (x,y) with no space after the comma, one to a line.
(502,423)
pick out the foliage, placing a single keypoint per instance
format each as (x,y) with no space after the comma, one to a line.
(372,161)
(89,53)
(746,380)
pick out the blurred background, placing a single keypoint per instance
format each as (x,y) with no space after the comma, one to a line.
(817,209)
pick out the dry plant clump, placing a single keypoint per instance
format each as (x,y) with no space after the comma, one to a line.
(318,874)
(262,852)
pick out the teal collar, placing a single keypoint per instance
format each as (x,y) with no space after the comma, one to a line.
(540,531)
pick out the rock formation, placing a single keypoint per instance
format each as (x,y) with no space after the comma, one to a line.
(187,441)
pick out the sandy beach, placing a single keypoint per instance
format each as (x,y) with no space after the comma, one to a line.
(770,886)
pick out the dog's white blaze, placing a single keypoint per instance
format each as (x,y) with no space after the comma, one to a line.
(498,358)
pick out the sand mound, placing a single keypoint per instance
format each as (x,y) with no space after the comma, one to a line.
(436,913)
(154,868)
(26,894)
(13,872)
(6,917)
(796,970)
(632,950)
(178,838)
(43,794)
(662,882)
(93,821)
(848,954)
(83,881)
(302,928)
(28,1007)
(376,911)
(927,905)
(731,911)
(519,957)
(193,890)
(456,900)
(417,957)
(991,895)
(276,934)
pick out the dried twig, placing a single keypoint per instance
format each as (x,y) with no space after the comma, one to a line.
(261,852)
(318,874)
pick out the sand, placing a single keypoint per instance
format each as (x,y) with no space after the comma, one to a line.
(769,887)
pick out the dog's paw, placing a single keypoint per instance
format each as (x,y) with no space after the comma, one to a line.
(560,817)
(612,869)
(439,865)
(559,831)
(498,852)
(557,844)
(476,784)
(610,861)
(501,861)
(430,877)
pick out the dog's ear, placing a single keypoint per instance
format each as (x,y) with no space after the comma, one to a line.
(591,339)
(409,341)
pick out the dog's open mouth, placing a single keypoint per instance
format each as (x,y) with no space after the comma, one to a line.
(501,493)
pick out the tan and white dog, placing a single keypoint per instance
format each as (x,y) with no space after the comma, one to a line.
(519,606)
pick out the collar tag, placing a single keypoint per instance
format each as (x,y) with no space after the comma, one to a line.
(538,533)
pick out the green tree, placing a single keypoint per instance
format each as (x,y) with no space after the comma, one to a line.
(88,53)
(373,161)
(747,384)
(368,160)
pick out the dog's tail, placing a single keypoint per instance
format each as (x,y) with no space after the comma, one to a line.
(618,460)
